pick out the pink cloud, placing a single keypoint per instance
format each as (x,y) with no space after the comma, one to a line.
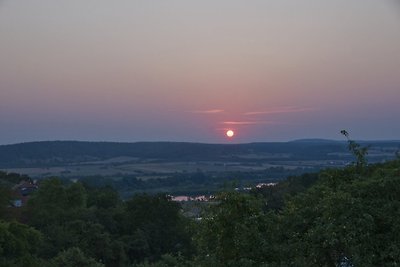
(246,122)
(279,110)
(208,111)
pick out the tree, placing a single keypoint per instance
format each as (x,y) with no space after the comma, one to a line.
(74,257)
(154,226)
(345,215)
(5,198)
(235,232)
(52,209)
(54,203)
(357,150)
(19,244)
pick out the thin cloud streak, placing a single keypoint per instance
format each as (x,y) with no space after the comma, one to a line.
(208,111)
(246,122)
(278,110)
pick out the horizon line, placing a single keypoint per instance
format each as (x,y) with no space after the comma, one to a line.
(194,142)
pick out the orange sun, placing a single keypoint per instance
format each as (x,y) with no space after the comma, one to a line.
(230,133)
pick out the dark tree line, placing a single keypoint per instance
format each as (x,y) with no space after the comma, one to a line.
(69,223)
(347,217)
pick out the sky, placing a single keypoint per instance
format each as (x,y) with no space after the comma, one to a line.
(179,70)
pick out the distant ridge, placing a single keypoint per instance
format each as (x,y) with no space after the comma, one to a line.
(314,140)
(55,153)
(321,140)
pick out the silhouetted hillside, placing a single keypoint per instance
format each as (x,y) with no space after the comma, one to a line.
(52,153)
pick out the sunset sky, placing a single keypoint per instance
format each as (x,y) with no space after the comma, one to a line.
(182,70)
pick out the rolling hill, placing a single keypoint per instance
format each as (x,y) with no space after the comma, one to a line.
(54,153)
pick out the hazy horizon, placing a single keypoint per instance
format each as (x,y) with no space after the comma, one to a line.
(178,70)
(233,142)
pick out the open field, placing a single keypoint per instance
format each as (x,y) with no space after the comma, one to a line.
(161,169)
(159,160)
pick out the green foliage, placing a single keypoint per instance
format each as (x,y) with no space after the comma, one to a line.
(11,178)
(197,183)
(55,204)
(275,195)
(7,181)
(104,207)
(316,220)
(154,226)
(103,198)
(18,244)
(357,150)
(103,227)
(345,214)
(169,260)
(74,257)
(5,198)
(235,231)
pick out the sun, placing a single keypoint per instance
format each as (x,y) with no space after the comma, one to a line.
(230,133)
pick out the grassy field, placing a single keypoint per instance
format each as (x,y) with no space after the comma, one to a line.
(163,159)
(159,170)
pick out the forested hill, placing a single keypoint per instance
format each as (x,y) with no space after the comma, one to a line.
(60,152)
